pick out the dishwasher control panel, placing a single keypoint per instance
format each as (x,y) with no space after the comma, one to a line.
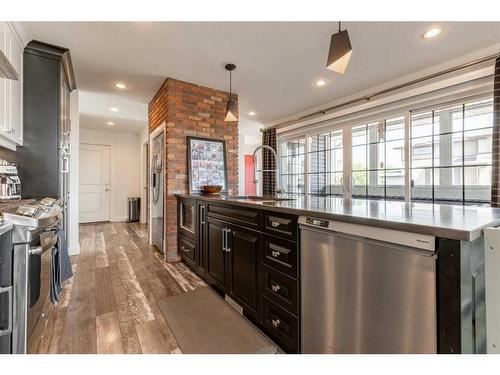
(317,222)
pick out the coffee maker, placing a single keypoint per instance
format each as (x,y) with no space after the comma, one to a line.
(10,184)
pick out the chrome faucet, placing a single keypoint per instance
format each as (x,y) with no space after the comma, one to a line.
(276,170)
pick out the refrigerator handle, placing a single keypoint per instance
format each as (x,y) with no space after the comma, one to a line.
(8,330)
(64,164)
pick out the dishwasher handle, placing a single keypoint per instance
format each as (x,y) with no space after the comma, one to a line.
(391,245)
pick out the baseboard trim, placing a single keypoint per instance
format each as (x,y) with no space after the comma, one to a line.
(118,219)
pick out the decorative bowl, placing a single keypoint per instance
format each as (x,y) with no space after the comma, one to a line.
(211,189)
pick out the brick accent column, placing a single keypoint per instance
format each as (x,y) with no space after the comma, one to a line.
(190,110)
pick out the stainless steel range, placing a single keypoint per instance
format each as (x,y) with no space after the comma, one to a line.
(33,231)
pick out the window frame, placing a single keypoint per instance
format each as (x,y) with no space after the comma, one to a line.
(347,127)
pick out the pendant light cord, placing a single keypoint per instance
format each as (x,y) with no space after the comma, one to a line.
(230,84)
(339,26)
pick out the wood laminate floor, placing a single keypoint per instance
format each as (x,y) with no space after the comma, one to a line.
(110,305)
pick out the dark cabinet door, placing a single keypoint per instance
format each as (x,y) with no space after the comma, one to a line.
(186,210)
(215,262)
(243,256)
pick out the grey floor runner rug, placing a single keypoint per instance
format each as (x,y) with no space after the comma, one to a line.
(203,323)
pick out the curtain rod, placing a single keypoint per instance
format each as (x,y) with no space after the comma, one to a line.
(385,91)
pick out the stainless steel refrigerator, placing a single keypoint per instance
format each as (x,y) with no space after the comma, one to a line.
(157,191)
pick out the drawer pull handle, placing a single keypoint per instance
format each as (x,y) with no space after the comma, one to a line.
(275,224)
(184,249)
(275,287)
(275,254)
(275,322)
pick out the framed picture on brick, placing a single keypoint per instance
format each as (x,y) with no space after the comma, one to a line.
(206,163)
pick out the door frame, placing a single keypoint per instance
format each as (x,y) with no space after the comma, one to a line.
(152,135)
(144,180)
(110,191)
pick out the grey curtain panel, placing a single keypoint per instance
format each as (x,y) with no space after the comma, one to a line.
(268,162)
(495,175)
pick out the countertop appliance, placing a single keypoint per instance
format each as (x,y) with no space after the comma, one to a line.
(10,184)
(157,194)
(366,289)
(33,235)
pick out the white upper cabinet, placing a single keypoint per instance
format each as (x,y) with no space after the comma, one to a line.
(11,92)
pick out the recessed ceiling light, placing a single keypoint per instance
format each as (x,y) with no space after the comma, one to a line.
(252,113)
(113,109)
(120,85)
(110,123)
(432,33)
(320,82)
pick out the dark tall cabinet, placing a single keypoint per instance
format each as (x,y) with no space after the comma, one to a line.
(44,157)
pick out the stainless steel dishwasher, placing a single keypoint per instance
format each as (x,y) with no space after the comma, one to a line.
(366,289)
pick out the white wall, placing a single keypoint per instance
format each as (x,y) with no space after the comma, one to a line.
(74,176)
(125,166)
(249,138)
(143,138)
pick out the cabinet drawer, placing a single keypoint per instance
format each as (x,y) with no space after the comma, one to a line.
(281,289)
(282,225)
(186,247)
(280,254)
(237,215)
(280,325)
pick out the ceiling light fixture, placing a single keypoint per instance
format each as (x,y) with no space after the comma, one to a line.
(113,109)
(120,85)
(110,123)
(340,52)
(432,33)
(320,82)
(251,113)
(232,108)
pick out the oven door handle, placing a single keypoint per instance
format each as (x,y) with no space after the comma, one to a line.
(38,250)
(8,330)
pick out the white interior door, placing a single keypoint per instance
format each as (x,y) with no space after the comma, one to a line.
(94,183)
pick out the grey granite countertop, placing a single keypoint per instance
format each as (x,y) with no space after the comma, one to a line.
(9,205)
(442,220)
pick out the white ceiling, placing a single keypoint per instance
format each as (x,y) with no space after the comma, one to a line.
(95,112)
(277,62)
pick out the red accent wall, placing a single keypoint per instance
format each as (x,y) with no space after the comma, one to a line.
(249,184)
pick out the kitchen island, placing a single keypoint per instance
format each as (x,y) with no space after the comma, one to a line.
(249,249)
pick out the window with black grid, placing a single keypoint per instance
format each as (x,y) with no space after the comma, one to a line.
(292,155)
(326,163)
(378,164)
(450,150)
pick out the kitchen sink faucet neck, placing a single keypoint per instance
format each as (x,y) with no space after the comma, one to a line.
(275,170)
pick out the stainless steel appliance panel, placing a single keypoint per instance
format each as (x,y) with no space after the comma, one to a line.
(157,194)
(365,296)
(19,341)
(6,289)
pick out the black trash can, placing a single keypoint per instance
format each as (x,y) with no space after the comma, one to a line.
(134,209)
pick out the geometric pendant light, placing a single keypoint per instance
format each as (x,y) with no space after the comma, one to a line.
(231,109)
(340,52)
